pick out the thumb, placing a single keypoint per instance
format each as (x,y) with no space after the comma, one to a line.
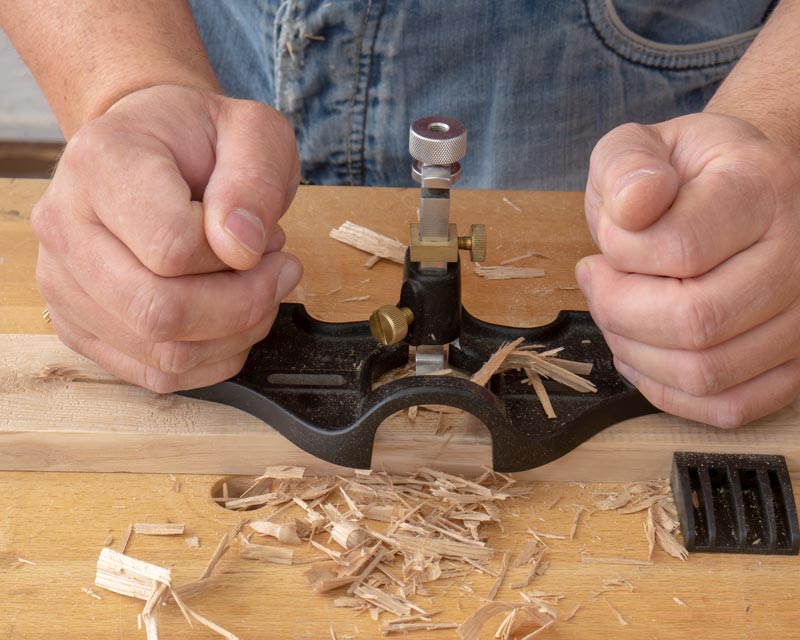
(630,173)
(255,177)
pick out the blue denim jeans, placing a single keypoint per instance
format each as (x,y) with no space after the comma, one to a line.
(537,82)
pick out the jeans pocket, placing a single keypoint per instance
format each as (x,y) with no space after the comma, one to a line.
(613,30)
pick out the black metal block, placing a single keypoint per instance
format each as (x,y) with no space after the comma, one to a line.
(735,503)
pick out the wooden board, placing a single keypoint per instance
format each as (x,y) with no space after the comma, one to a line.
(87,421)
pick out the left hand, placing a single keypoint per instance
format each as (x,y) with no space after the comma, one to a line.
(697,290)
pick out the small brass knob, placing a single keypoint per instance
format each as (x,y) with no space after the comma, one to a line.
(389,325)
(475,242)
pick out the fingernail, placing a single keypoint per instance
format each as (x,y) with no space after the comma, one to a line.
(288,278)
(247,229)
(630,179)
(584,277)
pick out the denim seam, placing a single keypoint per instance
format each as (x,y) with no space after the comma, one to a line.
(370,76)
(618,38)
(353,140)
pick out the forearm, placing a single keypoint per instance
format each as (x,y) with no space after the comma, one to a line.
(87,54)
(763,88)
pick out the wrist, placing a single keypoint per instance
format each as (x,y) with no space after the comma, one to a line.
(98,100)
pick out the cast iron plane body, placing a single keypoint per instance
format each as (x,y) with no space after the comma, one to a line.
(313,382)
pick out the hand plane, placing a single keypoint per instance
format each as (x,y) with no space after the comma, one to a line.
(314,381)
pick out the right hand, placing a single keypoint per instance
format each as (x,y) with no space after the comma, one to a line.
(160,250)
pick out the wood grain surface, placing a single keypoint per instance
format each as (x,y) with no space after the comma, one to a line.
(59,521)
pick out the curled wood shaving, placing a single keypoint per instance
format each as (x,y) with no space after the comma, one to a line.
(471,628)
(285,532)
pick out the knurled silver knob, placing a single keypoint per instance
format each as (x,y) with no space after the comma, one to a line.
(437,140)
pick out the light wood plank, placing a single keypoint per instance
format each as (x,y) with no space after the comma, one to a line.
(82,419)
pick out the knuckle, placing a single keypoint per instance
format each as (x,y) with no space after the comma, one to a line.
(154,316)
(173,357)
(46,225)
(85,146)
(701,319)
(159,381)
(169,252)
(729,414)
(701,376)
(685,253)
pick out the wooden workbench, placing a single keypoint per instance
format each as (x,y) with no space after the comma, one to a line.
(59,521)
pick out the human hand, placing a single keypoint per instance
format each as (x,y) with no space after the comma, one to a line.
(138,275)
(698,287)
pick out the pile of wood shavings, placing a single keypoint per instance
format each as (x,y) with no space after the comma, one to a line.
(389,538)
(661,523)
(384,541)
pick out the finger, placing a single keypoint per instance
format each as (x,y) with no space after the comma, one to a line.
(711,371)
(73,305)
(695,313)
(194,307)
(254,179)
(631,178)
(733,407)
(139,194)
(133,371)
(724,210)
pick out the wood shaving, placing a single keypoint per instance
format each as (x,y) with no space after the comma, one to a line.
(193,542)
(579,509)
(627,561)
(158,529)
(91,593)
(524,256)
(370,241)
(490,367)
(265,553)
(512,205)
(284,532)
(126,538)
(471,628)
(677,600)
(571,614)
(500,576)
(621,620)
(409,627)
(356,299)
(507,273)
